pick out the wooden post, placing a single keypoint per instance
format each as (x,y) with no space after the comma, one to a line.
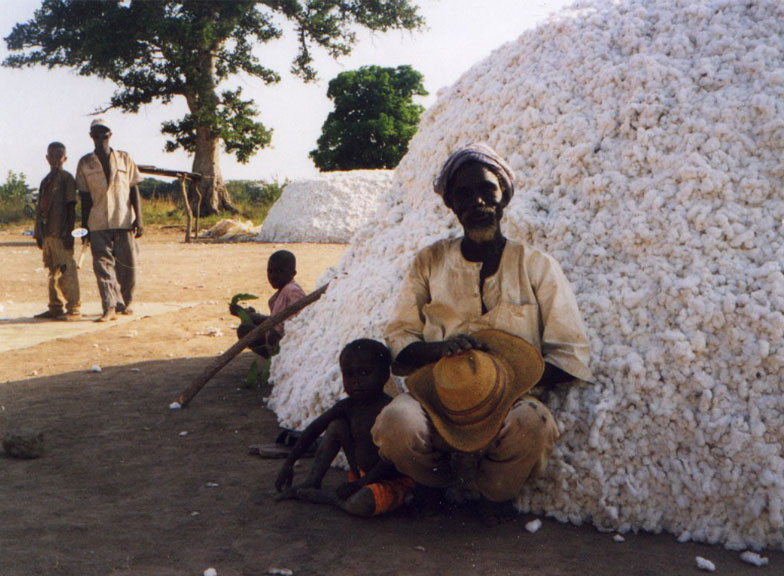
(188,211)
(187,395)
(198,209)
(183,177)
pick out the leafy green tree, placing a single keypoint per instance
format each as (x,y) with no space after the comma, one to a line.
(373,120)
(155,50)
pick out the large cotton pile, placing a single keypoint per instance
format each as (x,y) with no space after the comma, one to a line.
(327,208)
(648,140)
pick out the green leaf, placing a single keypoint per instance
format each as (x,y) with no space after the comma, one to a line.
(237,298)
(251,380)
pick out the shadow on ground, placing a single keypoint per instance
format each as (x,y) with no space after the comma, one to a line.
(129,487)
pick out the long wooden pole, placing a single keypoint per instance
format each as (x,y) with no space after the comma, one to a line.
(221,361)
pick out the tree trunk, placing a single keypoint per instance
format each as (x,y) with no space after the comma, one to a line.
(206,161)
(203,103)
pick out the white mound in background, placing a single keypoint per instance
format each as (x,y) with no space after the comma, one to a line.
(648,141)
(327,208)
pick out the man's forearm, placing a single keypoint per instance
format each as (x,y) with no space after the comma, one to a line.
(136,204)
(416,355)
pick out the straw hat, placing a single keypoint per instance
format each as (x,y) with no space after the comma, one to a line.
(468,396)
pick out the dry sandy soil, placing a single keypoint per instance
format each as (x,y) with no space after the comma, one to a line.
(128,487)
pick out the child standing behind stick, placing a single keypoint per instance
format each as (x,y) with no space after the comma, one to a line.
(281,269)
(374,486)
(54,222)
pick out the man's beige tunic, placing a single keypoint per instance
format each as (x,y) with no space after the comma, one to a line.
(528,296)
(111,200)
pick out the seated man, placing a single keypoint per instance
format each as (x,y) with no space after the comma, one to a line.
(374,486)
(281,269)
(455,288)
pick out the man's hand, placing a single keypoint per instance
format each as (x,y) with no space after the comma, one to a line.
(138,228)
(418,354)
(86,237)
(285,477)
(459,344)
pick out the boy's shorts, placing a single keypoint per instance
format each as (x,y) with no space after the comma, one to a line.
(389,494)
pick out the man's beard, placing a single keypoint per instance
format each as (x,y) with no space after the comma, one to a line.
(481,229)
(482,234)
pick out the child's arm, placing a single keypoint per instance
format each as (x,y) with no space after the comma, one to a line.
(383,470)
(309,435)
(70,219)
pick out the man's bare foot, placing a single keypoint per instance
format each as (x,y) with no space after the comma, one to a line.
(494,513)
(108,314)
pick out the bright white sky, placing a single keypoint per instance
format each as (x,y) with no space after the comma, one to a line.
(41,105)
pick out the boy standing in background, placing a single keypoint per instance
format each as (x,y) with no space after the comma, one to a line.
(54,222)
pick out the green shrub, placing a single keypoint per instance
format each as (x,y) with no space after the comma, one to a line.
(15,203)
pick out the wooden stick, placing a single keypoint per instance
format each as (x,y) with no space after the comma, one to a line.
(221,361)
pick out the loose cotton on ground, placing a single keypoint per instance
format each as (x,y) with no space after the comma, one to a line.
(327,208)
(648,141)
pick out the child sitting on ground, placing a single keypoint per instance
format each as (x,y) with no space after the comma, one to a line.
(281,269)
(54,222)
(374,486)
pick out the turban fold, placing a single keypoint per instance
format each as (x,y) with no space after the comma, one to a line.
(483,154)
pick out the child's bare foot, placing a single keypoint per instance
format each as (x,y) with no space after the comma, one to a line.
(315,495)
(287,494)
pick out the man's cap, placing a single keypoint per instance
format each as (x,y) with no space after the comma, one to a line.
(467,396)
(99,123)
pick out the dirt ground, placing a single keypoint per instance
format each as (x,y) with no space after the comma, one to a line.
(128,487)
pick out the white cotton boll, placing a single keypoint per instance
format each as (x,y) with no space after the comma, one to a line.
(646,137)
(533,526)
(95,368)
(175,406)
(705,564)
(210,572)
(618,538)
(753,558)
